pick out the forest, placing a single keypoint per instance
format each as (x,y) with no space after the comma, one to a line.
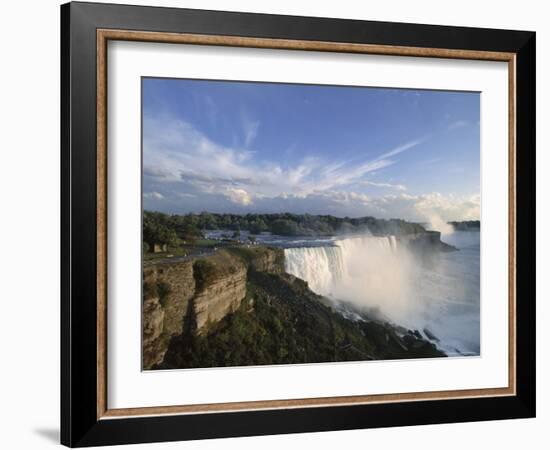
(161,228)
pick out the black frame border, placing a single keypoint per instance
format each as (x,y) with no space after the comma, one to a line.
(79,423)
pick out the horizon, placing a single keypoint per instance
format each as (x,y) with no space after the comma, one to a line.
(270,148)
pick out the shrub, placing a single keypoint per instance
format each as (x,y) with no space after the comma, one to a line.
(204,271)
(163,290)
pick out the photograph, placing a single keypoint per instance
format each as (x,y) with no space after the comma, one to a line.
(297,224)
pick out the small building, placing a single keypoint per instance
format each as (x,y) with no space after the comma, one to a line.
(159,248)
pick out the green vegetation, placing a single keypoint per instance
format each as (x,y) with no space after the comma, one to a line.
(466,225)
(159,289)
(206,243)
(158,230)
(249,254)
(206,270)
(260,258)
(163,289)
(169,229)
(172,252)
(181,237)
(282,322)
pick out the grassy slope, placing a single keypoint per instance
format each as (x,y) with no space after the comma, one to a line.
(282,322)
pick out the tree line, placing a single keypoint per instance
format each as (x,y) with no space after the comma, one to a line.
(161,228)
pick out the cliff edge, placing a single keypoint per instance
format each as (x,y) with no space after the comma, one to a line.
(238,307)
(199,289)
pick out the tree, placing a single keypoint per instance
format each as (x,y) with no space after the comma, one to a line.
(257,226)
(157,231)
(191,233)
(284,227)
(208,221)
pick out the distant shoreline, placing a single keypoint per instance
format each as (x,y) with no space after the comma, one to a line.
(289,224)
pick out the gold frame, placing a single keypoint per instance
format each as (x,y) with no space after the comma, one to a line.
(103,36)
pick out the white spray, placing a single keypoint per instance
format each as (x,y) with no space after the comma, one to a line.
(372,272)
(382,274)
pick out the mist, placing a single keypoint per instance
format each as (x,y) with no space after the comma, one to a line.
(374,273)
(436,223)
(382,277)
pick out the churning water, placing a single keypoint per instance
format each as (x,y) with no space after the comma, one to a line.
(440,294)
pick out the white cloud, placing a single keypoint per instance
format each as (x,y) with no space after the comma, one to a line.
(239,196)
(176,152)
(418,208)
(154,195)
(397,187)
(186,169)
(449,207)
(401,148)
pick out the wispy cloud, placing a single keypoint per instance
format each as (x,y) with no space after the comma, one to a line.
(250,129)
(401,148)
(420,208)
(397,187)
(182,166)
(174,151)
(458,124)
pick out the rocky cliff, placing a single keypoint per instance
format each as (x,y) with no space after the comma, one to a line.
(238,307)
(199,290)
(425,243)
(260,258)
(281,321)
(167,290)
(220,287)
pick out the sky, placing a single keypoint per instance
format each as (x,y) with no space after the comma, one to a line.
(240,147)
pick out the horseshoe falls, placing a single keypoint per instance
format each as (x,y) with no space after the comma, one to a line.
(381,276)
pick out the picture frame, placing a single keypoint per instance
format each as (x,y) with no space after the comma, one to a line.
(86,418)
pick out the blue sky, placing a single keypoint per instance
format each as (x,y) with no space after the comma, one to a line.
(243,147)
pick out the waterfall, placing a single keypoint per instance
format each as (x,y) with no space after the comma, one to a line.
(328,268)
(321,267)
(383,276)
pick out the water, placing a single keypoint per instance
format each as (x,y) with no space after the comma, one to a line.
(273,239)
(451,288)
(378,274)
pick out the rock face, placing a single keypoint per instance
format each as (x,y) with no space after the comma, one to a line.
(262,259)
(426,242)
(221,286)
(203,290)
(167,290)
(291,324)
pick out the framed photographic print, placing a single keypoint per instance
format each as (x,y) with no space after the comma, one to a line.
(276,224)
